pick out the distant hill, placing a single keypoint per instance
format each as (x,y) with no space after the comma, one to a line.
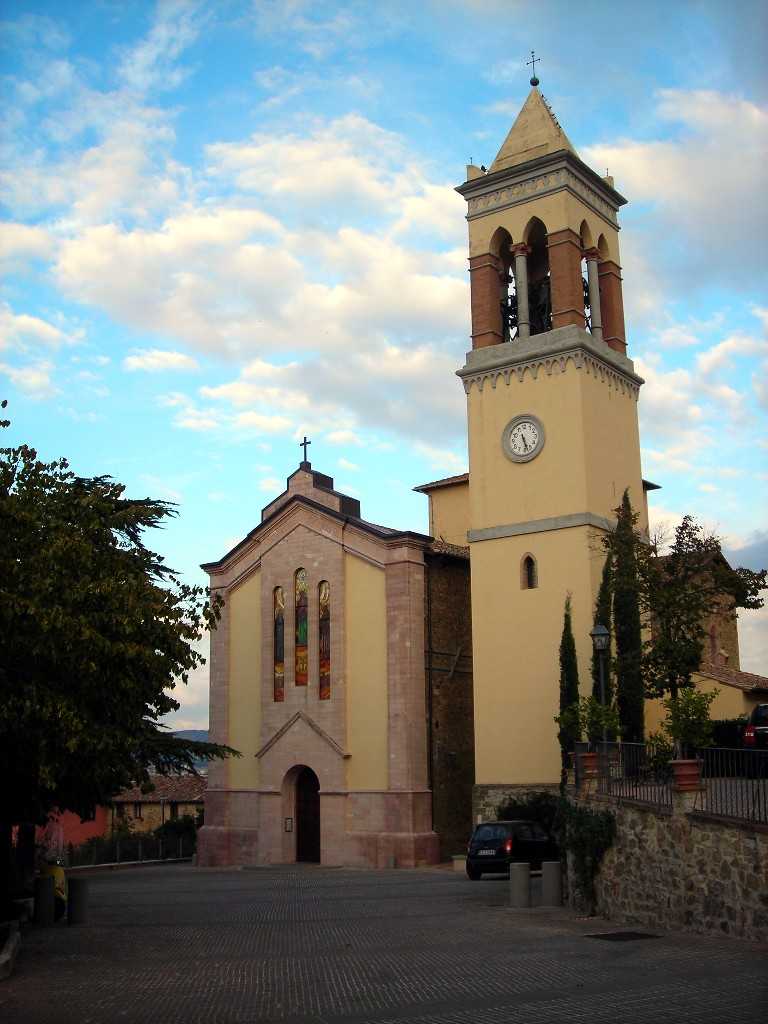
(195,734)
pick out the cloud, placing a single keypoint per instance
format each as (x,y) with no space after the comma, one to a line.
(697,185)
(349,159)
(21,332)
(262,424)
(22,242)
(151,64)
(441,458)
(344,437)
(33,379)
(351,467)
(722,355)
(157,360)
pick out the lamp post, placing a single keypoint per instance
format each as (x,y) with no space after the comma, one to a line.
(601,640)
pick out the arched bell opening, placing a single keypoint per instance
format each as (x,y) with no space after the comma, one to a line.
(585,237)
(539,288)
(501,242)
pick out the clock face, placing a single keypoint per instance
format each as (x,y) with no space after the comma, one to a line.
(523,438)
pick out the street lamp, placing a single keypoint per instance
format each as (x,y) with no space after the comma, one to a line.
(601,640)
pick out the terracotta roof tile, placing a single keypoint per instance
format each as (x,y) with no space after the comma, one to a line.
(750,682)
(442,547)
(447,481)
(178,788)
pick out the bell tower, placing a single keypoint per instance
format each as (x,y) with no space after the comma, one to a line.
(553,433)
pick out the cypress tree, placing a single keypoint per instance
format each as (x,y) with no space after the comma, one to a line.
(604,618)
(569,683)
(626,619)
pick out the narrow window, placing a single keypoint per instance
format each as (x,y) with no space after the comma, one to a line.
(528,575)
(324,594)
(137,810)
(279,642)
(301,678)
(174,810)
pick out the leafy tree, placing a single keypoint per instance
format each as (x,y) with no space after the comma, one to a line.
(626,551)
(688,723)
(569,685)
(97,631)
(680,591)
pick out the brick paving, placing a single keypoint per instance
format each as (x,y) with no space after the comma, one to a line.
(310,945)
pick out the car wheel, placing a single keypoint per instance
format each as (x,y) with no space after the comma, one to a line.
(473,874)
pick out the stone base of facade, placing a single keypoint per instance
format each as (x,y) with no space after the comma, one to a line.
(227,847)
(382,829)
(488,797)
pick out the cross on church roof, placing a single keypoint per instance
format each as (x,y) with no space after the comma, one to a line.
(303,444)
(532,61)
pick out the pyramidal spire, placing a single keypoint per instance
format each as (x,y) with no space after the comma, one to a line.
(536,132)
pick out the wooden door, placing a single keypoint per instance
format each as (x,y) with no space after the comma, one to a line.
(308,817)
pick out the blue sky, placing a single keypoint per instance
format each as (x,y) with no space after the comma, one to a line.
(227,224)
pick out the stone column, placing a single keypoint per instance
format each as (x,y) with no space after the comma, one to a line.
(407,744)
(612,305)
(592,256)
(520,253)
(484,278)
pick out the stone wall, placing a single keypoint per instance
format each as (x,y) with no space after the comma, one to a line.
(684,871)
(486,799)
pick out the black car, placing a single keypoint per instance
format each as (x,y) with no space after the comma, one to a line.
(494,845)
(756,730)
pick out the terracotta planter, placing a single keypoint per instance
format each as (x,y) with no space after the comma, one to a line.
(687,775)
(588,765)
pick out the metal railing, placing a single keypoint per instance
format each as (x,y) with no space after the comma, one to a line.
(734,781)
(636,772)
(734,784)
(113,850)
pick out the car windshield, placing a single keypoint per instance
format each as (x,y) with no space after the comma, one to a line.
(760,714)
(485,833)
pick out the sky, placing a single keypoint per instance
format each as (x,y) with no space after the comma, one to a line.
(227,225)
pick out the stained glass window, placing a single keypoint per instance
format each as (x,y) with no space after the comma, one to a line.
(301,627)
(279,637)
(324,593)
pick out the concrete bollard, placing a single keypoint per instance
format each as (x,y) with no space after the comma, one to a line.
(77,900)
(551,884)
(45,904)
(519,885)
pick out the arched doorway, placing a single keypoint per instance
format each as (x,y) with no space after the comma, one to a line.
(308,817)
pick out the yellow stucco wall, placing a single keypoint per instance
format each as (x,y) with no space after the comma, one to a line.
(558,210)
(245,682)
(731,702)
(449,513)
(516,638)
(365,632)
(591,451)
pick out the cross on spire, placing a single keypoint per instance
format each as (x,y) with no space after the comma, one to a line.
(532,62)
(303,444)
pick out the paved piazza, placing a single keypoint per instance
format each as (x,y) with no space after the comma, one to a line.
(181,945)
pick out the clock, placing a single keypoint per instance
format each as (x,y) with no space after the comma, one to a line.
(523,438)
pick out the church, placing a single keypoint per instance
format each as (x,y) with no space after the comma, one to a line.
(385,687)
